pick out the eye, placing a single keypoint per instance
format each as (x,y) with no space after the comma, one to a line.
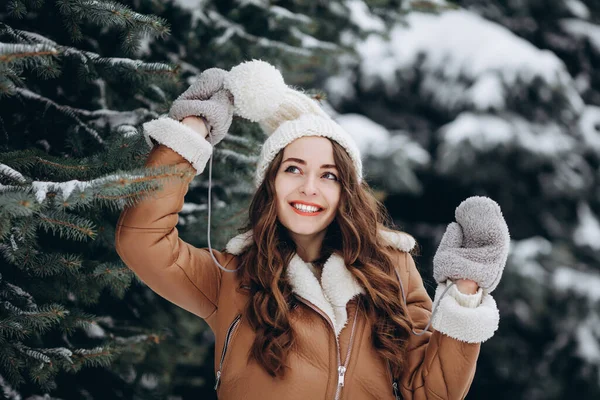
(334,177)
(291,166)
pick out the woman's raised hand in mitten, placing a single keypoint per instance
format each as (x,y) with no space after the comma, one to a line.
(207,98)
(475,247)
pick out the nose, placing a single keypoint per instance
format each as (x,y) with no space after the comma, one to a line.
(309,186)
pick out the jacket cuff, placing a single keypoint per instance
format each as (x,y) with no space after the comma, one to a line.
(465,300)
(471,325)
(183,140)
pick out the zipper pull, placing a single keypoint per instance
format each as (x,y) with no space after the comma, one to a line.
(218,379)
(395,386)
(341,373)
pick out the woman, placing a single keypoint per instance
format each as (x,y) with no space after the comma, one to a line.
(316,299)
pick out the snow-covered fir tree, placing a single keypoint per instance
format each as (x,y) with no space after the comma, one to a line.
(497,99)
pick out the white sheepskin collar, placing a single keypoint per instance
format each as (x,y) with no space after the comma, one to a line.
(337,287)
(331,295)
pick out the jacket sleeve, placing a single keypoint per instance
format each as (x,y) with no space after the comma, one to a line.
(441,363)
(146,238)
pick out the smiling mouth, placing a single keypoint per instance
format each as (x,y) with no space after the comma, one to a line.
(306,211)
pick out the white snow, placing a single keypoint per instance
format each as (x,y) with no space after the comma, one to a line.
(284,13)
(8,171)
(578,9)
(196,8)
(232,28)
(375,140)
(65,189)
(149,381)
(485,132)
(41,189)
(361,16)
(93,330)
(487,93)
(587,232)
(482,132)
(582,30)
(585,284)
(409,5)
(589,127)
(144,46)
(371,138)
(128,130)
(13,48)
(588,339)
(340,87)
(192,207)
(59,351)
(458,50)
(8,391)
(311,42)
(258,3)
(190,5)
(524,254)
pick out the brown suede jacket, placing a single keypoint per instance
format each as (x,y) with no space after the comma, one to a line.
(323,364)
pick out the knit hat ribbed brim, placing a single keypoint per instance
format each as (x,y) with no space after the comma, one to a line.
(285,114)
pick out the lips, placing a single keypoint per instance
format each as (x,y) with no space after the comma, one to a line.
(306,213)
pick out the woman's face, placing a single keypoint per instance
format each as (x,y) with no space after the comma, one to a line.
(307,187)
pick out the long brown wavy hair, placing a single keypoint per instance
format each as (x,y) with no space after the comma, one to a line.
(352,234)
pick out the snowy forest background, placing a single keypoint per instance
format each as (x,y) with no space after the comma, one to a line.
(446,100)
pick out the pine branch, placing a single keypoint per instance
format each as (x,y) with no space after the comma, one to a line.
(96,357)
(100,117)
(68,111)
(35,321)
(15,57)
(116,276)
(67,226)
(32,55)
(14,52)
(110,14)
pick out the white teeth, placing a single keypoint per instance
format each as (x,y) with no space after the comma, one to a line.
(304,208)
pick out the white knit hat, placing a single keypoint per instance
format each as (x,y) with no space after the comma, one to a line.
(285,114)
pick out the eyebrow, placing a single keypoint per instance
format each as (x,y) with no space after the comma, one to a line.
(301,161)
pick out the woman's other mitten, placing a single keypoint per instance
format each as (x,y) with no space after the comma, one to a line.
(474,247)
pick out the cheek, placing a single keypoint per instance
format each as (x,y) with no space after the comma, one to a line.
(333,199)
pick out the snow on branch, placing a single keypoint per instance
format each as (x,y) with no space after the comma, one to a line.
(68,111)
(483,133)
(232,29)
(311,42)
(13,52)
(466,61)
(361,16)
(587,232)
(583,283)
(285,14)
(583,30)
(11,173)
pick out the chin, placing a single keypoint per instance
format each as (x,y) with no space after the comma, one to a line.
(303,229)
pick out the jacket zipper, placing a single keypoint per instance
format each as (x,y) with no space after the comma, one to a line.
(230,330)
(394,383)
(341,368)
